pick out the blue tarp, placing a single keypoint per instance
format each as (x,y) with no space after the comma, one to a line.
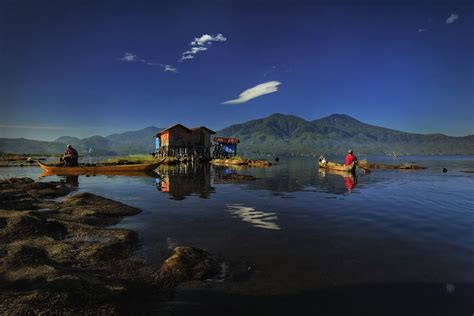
(157,143)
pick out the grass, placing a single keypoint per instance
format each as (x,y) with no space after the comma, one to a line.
(131,158)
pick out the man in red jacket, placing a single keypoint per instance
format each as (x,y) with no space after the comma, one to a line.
(350,158)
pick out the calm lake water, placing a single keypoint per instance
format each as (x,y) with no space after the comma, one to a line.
(387,242)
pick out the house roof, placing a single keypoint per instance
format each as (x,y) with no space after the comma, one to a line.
(203,127)
(171,127)
(226,140)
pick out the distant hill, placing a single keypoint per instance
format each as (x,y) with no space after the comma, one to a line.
(276,134)
(133,142)
(290,135)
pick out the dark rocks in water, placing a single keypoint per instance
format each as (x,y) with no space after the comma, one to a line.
(445,170)
(93,209)
(63,261)
(18,225)
(25,194)
(188,263)
(23,256)
(277,159)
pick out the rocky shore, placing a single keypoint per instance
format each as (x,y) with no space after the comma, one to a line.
(59,257)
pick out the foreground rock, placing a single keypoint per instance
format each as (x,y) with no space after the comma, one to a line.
(59,258)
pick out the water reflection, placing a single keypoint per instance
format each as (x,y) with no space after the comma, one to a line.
(250,215)
(229,175)
(185,180)
(71,181)
(332,179)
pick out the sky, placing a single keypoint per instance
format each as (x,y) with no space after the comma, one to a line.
(83,68)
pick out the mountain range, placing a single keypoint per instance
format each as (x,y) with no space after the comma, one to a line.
(277,134)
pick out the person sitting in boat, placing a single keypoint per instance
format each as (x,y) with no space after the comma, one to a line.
(351,158)
(70,157)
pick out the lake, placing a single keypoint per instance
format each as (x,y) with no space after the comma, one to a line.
(385,242)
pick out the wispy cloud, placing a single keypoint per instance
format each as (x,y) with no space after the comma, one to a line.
(169,68)
(453,17)
(131,57)
(422,30)
(254,92)
(199,45)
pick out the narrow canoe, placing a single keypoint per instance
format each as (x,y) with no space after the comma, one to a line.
(337,166)
(99,169)
(67,173)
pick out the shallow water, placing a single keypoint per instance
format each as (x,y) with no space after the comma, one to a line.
(303,233)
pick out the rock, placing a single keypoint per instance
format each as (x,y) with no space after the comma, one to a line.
(19,225)
(24,255)
(188,263)
(93,209)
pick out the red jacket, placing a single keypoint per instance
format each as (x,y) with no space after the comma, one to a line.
(350,158)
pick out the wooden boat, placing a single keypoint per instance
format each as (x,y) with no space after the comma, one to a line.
(99,169)
(68,173)
(337,166)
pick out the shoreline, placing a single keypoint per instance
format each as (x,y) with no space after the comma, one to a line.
(62,257)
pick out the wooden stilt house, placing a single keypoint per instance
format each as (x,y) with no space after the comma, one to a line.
(183,143)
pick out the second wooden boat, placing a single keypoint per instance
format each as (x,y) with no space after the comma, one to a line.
(99,169)
(336,166)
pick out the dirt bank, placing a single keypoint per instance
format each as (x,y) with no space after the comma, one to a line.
(59,257)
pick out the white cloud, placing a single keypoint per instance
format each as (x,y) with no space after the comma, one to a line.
(129,57)
(169,68)
(132,57)
(258,90)
(195,50)
(186,57)
(198,45)
(422,30)
(453,17)
(206,38)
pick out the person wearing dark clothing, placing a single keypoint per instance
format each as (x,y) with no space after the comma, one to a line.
(350,158)
(70,157)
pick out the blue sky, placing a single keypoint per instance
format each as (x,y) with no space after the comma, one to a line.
(82,68)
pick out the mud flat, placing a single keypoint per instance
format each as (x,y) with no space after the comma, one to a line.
(59,257)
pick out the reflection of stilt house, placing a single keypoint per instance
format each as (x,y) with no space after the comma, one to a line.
(183,143)
(186,180)
(225,147)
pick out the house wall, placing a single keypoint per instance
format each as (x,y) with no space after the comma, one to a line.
(179,137)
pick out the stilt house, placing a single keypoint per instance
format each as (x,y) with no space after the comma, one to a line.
(183,143)
(225,147)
